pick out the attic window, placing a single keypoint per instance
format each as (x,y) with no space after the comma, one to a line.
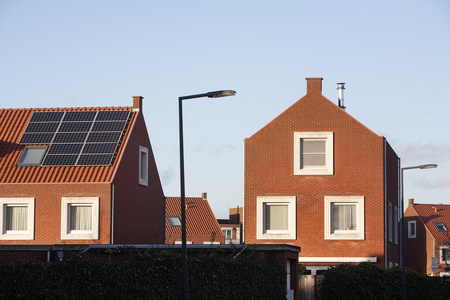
(175,221)
(32,156)
(440,226)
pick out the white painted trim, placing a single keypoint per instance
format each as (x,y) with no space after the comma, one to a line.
(66,234)
(17,235)
(291,233)
(342,235)
(143,165)
(410,235)
(329,153)
(372,259)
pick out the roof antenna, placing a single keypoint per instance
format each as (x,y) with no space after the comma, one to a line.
(341,89)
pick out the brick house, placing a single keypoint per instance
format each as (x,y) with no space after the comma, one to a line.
(317,178)
(427,236)
(232,227)
(201,224)
(78,176)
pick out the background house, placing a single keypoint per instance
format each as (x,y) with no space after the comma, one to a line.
(232,227)
(78,176)
(427,236)
(317,178)
(201,224)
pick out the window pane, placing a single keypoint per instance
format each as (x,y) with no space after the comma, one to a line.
(80,217)
(412,228)
(32,155)
(313,152)
(313,160)
(276,217)
(16,217)
(344,216)
(313,146)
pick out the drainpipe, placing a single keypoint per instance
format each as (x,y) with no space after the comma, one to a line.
(112,214)
(385,207)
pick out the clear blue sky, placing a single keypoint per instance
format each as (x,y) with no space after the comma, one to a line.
(394,57)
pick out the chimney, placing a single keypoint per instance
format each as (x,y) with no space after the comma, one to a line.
(204,196)
(314,85)
(341,89)
(137,103)
(411,202)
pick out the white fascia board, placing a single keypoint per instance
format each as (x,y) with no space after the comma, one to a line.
(337,259)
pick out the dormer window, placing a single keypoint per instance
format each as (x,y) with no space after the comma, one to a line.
(32,156)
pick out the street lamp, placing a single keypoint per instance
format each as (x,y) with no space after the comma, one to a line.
(402,224)
(215,94)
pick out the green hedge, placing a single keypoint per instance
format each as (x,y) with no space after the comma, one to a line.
(149,275)
(367,281)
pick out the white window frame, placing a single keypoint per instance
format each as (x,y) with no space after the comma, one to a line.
(143,165)
(441,257)
(227,229)
(359,233)
(328,169)
(410,235)
(291,232)
(66,233)
(22,234)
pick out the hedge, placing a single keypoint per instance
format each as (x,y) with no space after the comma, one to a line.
(149,275)
(367,281)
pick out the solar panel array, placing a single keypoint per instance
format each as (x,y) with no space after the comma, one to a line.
(77,138)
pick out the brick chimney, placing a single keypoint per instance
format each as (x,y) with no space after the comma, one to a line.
(314,85)
(411,202)
(204,197)
(137,103)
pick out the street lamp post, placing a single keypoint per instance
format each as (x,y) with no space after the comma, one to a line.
(402,224)
(215,94)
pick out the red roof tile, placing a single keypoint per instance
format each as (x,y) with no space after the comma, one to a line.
(200,219)
(12,125)
(430,213)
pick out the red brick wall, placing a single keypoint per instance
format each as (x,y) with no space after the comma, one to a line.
(358,171)
(392,195)
(47,209)
(138,209)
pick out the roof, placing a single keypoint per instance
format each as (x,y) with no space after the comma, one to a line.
(200,219)
(13,123)
(434,213)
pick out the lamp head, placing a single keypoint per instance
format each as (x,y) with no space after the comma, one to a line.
(218,94)
(428,166)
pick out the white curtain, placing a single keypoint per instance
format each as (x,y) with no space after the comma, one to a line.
(313,152)
(276,217)
(344,216)
(80,217)
(16,217)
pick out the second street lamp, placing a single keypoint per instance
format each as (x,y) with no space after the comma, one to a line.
(215,94)
(402,224)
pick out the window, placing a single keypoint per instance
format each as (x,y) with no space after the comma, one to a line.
(344,217)
(390,221)
(32,156)
(313,153)
(143,165)
(17,218)
(276,217)
(79,218)
(175,221)
(440,226)
(445,255)
(227,234)
(395,225)
(411,229)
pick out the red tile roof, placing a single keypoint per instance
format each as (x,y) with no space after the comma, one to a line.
(430,213)
(12,125)
(200,219)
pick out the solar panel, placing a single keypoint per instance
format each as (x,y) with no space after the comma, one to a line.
(79,116)
(47,116)
(109,126)
(100,148)
(77,137)
(113,115)
(104,137)
(75,126)
(36,138)
(65,148)
(95,159)
(70,137)
(42,127)
(60,160)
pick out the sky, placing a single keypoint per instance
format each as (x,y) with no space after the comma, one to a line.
(394,57)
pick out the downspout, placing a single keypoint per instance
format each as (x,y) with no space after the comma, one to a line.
(399,198)
(385,206)
(242,237)
(112,214)
(48,254)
